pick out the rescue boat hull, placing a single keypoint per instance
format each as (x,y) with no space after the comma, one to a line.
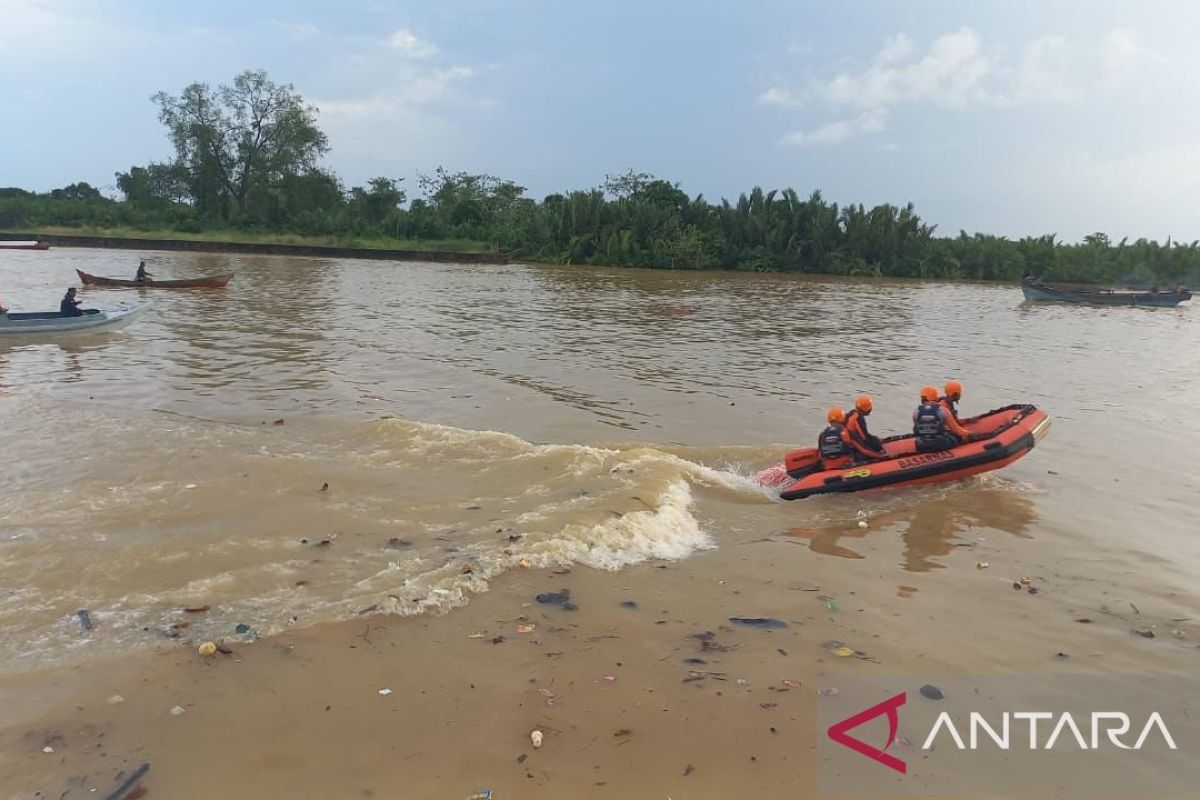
(1009,433)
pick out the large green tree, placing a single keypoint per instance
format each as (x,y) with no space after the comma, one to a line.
(240,141)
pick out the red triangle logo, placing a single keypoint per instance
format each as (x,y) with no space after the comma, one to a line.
(890,707)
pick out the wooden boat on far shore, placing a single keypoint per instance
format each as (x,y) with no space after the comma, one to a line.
(1039,292)
(24,245)
(214,282)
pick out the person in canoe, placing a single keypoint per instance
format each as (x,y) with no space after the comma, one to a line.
(934,427)
(866,446)
(142,275)
(949,401)
(69,307)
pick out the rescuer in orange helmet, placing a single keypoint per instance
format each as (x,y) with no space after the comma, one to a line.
(866,447)
(833,445)
(935,427)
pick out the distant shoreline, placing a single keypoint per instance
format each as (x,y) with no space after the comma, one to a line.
(257,248)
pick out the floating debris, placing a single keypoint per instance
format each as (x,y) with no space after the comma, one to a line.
(931,692)
(842,651)
(761,623)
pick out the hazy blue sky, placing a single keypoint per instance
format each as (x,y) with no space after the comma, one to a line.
(1009,117)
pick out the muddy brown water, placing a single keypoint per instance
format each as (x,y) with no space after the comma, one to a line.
(478,426)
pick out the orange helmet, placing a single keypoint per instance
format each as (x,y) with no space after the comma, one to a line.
(929,394)
(954,389)
(864,404)
(836,416)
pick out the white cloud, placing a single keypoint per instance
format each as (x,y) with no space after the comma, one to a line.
(414,89)
(951,73)
(897,48)
(872,121)
(409,45)
(1046,72)
(776,96)
(296,31)
(958,71)
(1123,57)
(394,101)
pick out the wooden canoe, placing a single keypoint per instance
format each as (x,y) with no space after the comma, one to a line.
(51,324)
(214,282)
(1040,293)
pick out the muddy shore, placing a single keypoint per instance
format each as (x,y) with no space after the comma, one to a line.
(196,246)
(662,698)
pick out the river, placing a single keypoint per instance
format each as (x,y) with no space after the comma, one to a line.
(468,417)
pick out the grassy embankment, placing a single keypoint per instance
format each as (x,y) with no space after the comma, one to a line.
(249,237)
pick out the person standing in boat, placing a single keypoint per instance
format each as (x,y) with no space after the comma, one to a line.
(142,275)
(866,447)
(934,427)
(69,307)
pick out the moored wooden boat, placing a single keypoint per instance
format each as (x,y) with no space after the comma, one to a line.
(1041,293)
(48,324)
(213,282)
(24,245)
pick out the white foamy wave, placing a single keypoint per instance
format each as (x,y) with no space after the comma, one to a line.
(668,532)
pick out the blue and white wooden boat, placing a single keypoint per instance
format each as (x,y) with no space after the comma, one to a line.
(51,324)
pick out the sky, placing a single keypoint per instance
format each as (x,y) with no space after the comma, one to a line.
(1010,117)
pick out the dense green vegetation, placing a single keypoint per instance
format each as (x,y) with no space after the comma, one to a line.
(247,167)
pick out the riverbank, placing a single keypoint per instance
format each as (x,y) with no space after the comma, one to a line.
(452,251)
(646,689)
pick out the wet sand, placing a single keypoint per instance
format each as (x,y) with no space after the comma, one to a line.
(300,715)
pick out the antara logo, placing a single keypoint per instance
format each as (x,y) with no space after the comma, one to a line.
(1106,727)
(891,707)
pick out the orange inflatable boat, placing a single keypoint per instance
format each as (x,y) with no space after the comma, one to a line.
(1010,432)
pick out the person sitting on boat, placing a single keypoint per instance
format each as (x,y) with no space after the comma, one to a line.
(866,446)
(949,401)
(142,275)
(833,445)
(934,427)
(69,307)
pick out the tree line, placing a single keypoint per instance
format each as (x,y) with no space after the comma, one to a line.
(247,158)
